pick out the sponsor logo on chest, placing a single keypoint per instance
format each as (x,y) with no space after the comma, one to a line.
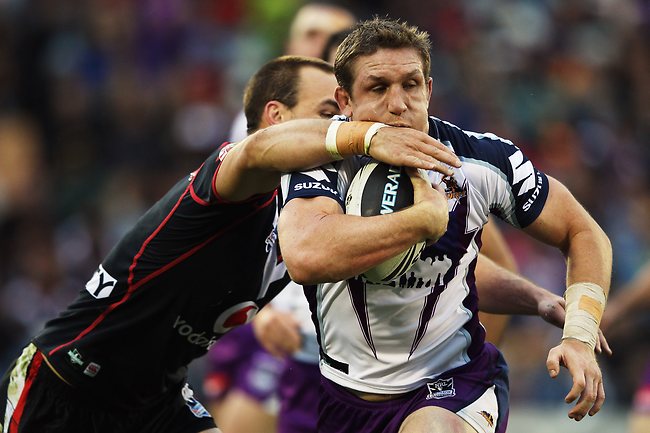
(238,314)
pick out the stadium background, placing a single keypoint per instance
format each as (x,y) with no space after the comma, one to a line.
(104,103)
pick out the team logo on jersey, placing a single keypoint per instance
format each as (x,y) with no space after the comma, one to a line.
(488,417)
(75,357)
(234,316)
(452,189)
(441,388)
(101,284)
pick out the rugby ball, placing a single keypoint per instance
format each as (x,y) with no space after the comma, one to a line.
(379,189)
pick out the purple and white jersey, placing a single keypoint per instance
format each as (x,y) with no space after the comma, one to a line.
(393,337)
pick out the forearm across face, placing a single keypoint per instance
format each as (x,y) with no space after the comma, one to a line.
(256,164)
(304,143)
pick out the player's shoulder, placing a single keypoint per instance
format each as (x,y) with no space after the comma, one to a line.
(470,144)
(445,130)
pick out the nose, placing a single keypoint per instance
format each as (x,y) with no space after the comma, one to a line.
(396,100)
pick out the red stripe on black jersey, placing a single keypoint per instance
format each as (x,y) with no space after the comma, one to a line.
(132,287)
(34,368)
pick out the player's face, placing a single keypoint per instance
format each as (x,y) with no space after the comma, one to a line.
(315,95)
(390,87)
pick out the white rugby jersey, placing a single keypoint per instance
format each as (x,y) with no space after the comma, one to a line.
(393,337)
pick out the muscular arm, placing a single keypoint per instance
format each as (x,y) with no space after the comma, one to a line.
(322,244)
(565,224)
(256,164)
(504,292)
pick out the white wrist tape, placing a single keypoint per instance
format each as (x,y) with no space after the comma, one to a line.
(369,134)
(330,140)
(585,303)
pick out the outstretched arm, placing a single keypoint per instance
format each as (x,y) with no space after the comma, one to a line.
(256,164)
(565,224)
(504,292)
(495,247)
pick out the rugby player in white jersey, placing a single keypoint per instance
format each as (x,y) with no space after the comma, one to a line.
(399,358)
(285,325)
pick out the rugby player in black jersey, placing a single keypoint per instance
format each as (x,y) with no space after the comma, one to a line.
(199,262)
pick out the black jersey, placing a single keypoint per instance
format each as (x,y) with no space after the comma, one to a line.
(193,267)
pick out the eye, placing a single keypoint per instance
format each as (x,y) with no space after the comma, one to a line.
(378,89)
(327,114)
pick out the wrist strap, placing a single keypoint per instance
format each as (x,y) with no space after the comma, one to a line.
(585,303)
(350,138)
(330,140)
(369,134)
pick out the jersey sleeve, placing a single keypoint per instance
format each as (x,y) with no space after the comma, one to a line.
(318,182)
(514,189)
(202,179)
(528,189)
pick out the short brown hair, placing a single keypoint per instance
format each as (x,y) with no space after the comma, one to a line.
(277,80)
(368,36)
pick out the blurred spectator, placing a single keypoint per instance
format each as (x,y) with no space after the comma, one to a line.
(309,32)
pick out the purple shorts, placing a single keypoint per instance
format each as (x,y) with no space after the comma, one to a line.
(238,361)
(343,412)
(299,397)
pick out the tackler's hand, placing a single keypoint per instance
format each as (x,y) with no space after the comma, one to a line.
(277,331)
(412,148)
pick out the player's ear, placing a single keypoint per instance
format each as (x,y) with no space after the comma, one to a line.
(343,99)
(429,88)
(274,113)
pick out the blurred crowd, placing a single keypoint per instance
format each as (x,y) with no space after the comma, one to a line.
(105,103)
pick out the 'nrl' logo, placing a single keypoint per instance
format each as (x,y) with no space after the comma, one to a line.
(441,388)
